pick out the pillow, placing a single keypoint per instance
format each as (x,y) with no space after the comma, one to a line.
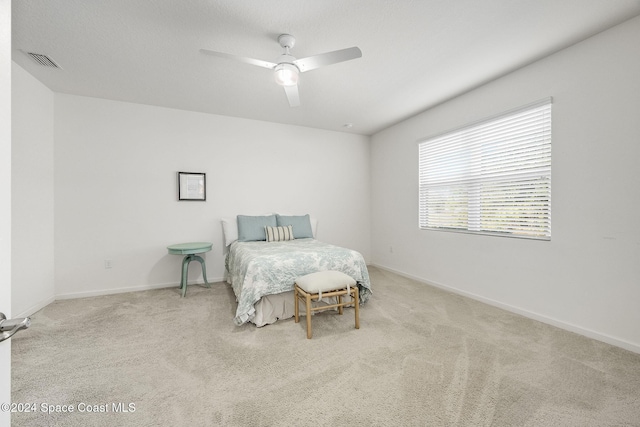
(251,228)
(314,226)
(323,281)
(301,225)
(279,234)
(229,230)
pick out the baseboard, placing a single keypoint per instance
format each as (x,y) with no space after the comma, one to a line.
(85,294)
(36,307)
(526,313)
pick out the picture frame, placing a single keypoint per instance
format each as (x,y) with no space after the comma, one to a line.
(192,186)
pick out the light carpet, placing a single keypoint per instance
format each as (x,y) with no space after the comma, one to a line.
(422,357)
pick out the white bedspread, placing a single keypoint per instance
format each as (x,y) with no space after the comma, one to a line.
(264,268)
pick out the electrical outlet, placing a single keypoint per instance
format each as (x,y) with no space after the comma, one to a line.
(108,263)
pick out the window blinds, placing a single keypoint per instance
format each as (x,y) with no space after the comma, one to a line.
(491,177)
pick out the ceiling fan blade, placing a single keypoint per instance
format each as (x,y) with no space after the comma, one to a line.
(258,62)
(317,61)
(292,95)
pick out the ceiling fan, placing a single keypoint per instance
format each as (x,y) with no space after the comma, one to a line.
(287,67)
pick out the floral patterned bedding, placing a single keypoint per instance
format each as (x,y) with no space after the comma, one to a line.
(263,268)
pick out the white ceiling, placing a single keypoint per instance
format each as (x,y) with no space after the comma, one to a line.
(416,53)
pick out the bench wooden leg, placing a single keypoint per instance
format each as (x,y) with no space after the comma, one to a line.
(308,301)
(296,304)
(356,305)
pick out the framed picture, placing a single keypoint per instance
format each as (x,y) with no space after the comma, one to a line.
(192,186)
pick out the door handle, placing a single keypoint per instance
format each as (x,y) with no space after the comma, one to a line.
(9,327)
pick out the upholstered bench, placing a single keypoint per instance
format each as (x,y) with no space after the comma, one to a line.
(316,286)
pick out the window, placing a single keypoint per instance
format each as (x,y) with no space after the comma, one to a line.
(490,177)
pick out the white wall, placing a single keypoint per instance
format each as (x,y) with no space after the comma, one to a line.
(587,278)
(32,194)
(5,200)
(115,188)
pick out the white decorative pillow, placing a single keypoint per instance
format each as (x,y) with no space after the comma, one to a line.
(230,230)
(279,234)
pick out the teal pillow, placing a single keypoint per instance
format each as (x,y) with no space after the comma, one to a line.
(301,225)
(251,228)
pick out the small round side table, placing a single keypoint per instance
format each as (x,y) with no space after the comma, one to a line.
(191,250)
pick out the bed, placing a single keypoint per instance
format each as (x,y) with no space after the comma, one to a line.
(262,273)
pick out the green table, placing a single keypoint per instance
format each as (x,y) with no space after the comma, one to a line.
(191,250)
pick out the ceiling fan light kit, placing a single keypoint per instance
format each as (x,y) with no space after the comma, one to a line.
(286,74)
(287,68)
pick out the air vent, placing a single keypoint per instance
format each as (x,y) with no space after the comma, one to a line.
(43,60)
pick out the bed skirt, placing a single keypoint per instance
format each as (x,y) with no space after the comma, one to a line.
(272,308)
